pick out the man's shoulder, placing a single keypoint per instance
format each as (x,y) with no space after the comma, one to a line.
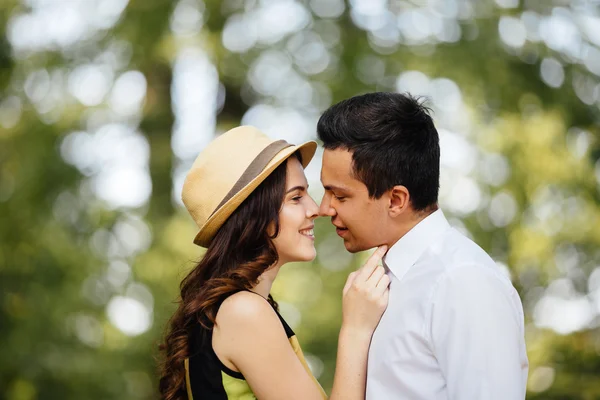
(454,249)
(457,254)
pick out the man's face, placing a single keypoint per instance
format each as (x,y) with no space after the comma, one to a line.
(360,220)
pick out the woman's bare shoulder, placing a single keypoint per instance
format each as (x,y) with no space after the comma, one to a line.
(245,309)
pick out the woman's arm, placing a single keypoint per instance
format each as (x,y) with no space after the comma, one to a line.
(250,338)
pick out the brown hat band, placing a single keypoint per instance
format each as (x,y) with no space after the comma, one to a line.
(254,169)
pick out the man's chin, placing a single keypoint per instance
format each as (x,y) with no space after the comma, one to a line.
(353,247)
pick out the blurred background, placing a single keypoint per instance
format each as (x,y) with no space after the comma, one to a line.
(104,104)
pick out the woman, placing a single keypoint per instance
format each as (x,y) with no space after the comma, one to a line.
(248,195)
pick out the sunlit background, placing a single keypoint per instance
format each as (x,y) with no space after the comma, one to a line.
(104,105)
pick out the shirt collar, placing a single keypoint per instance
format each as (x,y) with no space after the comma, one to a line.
(406,251)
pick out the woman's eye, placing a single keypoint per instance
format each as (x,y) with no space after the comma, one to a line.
(296,198)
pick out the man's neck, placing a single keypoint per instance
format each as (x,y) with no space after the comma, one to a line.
(409,223)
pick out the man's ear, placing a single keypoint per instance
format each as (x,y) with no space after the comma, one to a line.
(399,200)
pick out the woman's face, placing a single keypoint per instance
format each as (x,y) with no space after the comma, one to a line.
(295,241)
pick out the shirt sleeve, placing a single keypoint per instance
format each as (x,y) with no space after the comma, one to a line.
(477,335)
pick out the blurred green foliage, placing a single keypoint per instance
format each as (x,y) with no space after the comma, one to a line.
(66,258)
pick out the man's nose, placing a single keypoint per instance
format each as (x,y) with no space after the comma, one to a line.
(325,209)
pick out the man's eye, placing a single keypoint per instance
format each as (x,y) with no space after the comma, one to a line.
(339,198)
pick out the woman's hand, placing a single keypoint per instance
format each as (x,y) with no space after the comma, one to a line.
(365,295)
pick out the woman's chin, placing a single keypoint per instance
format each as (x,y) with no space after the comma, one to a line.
(307,255)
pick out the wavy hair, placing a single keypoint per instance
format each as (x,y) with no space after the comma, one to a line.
(240,252)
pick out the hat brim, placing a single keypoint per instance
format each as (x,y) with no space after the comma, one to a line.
(218,218)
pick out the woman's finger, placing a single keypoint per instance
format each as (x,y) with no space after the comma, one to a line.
(382,285)
(366,270)
(375,276)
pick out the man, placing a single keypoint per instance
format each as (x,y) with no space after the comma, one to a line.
(453,328)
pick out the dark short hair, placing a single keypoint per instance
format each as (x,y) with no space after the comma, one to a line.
(393,142)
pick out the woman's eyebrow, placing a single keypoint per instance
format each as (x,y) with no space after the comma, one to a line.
(295,188)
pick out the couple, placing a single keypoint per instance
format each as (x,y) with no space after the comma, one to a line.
(453,324)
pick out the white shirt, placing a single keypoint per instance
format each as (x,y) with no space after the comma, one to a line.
(453,328)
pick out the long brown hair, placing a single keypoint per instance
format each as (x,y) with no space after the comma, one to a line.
(240,252)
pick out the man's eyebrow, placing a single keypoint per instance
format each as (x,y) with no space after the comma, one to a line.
(300,187)
(335,188)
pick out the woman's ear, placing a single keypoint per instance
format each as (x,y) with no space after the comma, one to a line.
(399,200)
(271,229)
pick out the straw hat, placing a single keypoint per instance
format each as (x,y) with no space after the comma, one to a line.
(228,170)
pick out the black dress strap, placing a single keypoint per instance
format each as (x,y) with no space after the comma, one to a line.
(288,330)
